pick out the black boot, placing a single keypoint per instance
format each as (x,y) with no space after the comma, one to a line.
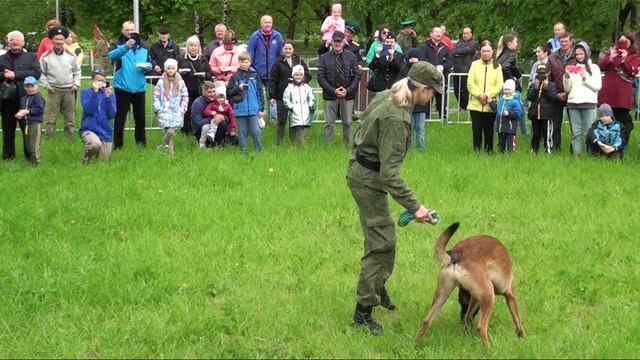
(385,300)
(362,318)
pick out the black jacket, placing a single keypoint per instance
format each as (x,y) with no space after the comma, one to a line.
(437,55)
(281,75)
(543,106)
(463,55)
(23,65)
(508,62)
(199,65)
(159,54)
(327,74)
(352,46)
(386,72)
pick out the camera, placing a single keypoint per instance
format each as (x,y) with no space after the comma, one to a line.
(541,77)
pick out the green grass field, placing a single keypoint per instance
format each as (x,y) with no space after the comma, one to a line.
(216,254)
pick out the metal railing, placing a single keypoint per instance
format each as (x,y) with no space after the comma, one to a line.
(455,114)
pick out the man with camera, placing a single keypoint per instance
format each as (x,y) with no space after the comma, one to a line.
(98,109)
(61,84)
(132,61)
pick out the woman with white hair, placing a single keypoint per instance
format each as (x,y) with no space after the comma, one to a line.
(15,66)
(194,69)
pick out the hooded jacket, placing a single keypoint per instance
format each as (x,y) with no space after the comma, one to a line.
(509,124)
(97,113)
(128,76)
(251,104)
(583,91)
(170,110)
(607,133)
(299,99)
(616,89)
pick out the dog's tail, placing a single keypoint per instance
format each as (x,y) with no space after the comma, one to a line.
(441,244)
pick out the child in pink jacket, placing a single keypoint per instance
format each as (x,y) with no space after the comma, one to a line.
(332,23)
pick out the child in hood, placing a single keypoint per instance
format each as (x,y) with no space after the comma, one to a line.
(219,106)
(298,98)
(170,101)
(508,111)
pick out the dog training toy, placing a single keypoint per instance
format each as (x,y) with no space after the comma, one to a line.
(407,216)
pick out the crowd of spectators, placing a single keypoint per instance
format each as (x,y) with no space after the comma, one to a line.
(225,89)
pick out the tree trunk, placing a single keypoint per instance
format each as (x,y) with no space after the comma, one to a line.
(293,19)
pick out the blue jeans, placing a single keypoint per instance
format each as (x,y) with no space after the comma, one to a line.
(248,125)
(580,120)
(418,128)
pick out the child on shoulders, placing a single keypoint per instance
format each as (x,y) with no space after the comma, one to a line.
(332,23)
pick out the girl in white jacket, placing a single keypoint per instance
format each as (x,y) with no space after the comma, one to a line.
(170,100)
(298,98)
(582,83)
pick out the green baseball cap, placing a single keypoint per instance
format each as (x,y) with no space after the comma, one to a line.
(427,75)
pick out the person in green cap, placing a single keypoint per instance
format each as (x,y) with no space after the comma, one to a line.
(407,37)
(379,150)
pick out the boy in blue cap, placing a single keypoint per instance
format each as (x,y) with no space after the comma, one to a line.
(31,112)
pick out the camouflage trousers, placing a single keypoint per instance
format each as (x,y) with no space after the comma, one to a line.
(376,265)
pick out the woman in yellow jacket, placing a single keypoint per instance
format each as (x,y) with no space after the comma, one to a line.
(484,85)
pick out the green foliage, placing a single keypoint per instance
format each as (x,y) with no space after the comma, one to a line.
(212,254)
(596,22)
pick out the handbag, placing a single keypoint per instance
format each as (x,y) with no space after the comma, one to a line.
(8,90)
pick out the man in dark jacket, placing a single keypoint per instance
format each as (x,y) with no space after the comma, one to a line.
(15,66)
(198,120)
(437,54)
(220,30)
(558,61)
(463,54)
(338,76)
(163,49)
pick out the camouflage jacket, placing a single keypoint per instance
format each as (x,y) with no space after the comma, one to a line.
(383,138)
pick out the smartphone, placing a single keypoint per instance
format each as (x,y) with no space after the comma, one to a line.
(385,50)
(574,69)
(621,45)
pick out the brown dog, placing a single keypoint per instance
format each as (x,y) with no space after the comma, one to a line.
(480,266)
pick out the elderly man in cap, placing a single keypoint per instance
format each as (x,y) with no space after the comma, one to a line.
(163,49)
(407,37)
(338,76)
(61,84)
(15,66)
(380,147)
(132,61)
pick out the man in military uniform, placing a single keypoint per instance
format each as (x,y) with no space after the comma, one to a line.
(407,37)
(379,150)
